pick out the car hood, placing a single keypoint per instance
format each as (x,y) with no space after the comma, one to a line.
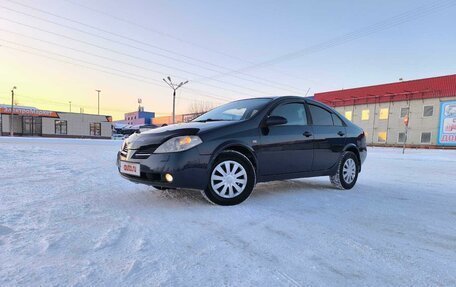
(160,135)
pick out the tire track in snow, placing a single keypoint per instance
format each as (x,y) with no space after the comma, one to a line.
(284,276)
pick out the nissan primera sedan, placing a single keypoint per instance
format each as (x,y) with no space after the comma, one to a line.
(229,149)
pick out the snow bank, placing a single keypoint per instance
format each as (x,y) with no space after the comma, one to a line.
(67,218)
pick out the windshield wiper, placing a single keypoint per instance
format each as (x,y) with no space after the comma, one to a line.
(210,120)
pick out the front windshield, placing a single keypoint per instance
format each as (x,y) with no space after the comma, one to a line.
(234,111)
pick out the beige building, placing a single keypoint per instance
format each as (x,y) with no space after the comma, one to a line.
(383,123)
(29,121)
(382,111)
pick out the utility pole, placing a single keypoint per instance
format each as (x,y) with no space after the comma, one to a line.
(174,87)
(12,113)
(98,91)
(406,124)
(70,106)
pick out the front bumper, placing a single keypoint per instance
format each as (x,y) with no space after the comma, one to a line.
(188,168)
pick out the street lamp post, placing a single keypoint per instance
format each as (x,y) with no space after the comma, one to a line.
(12,113)
(98,92)
(70,105)
(174,87)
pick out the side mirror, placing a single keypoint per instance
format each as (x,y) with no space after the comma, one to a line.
(275,121)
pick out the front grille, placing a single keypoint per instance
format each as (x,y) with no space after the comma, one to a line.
(145,151)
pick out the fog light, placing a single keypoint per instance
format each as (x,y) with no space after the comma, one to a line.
(168,177)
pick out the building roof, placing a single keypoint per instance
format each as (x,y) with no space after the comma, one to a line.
(17,107)
(436,87)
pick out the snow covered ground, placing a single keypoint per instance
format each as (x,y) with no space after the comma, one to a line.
(68,219)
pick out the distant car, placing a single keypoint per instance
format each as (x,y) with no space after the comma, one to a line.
(229,149)
(117,137)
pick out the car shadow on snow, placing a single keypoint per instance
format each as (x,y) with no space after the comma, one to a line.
(150,196)
(261,189)
(293,185)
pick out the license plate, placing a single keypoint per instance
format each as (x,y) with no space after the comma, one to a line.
(130,168)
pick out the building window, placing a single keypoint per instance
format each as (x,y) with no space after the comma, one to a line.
(348,115)
(426,138)
(401,137)
(95,129)
(383,115)
(365,115)
(428,111)
(61,127)
(404,112)
(381,137)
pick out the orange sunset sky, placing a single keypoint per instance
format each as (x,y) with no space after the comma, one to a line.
(61,51)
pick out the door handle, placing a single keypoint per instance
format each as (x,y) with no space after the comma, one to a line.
(341,133)
(307,134)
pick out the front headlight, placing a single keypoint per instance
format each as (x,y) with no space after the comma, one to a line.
(179,144)
(124,144)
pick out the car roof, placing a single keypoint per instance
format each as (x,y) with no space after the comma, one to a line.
(278,98)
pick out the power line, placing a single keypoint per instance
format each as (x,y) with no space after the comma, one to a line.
(361,33)
(120,53)
(92,54)
(260,80)
(129,22)
(131,56)
(146,28)
(141,49)
(65,104)
(126,75)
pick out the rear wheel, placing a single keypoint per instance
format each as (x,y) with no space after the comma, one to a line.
(231,180)
(347,171)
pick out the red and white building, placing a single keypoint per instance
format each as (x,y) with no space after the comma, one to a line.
(421,112)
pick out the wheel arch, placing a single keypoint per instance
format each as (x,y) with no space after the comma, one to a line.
(240,147)
(354,149)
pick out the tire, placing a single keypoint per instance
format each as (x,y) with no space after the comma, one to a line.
(347,171)
(231,179)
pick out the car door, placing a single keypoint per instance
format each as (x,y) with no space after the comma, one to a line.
(329,137)
(286,148)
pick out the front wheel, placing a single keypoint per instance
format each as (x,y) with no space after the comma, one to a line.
(231,181)
(347,171)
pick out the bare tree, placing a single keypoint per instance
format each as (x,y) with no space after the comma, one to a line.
(200,107)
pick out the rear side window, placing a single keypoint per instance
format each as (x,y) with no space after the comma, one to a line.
(293,112)
(336,120)
(320,116)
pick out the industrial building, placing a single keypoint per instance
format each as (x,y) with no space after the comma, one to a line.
(421,113)
(29,121)
(134,122)
(139,117)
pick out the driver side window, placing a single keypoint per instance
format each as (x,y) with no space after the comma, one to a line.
(295,113)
